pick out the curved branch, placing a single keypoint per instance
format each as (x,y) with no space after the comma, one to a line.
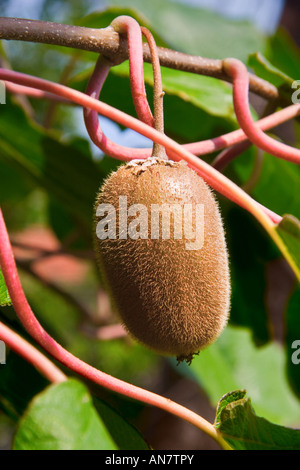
(109,43)
(128,25)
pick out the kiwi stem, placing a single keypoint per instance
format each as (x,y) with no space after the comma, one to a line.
(126,24)
(26,350)
(158,149)
(239,74)
(37,332)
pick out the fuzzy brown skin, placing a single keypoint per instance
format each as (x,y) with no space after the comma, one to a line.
(173,300)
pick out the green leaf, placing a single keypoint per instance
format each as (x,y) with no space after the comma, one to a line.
(209,94)
(225,400)
(62,417)
(284,53)
(4,295)
(244,430)
(59,315)
(233,362)
(289,232)
(264,69)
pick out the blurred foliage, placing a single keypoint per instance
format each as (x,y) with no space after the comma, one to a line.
(49,176)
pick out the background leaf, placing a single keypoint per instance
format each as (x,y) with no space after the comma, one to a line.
(282,196)
(264,69)
(283,53)
(198,31)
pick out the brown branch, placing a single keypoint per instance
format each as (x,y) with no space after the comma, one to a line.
(114,47)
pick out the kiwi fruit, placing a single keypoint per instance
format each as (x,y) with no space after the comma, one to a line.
(170,296)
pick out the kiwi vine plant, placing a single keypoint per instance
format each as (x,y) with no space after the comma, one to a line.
(72,386)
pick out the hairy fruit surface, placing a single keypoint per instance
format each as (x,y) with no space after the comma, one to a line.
(168,278)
